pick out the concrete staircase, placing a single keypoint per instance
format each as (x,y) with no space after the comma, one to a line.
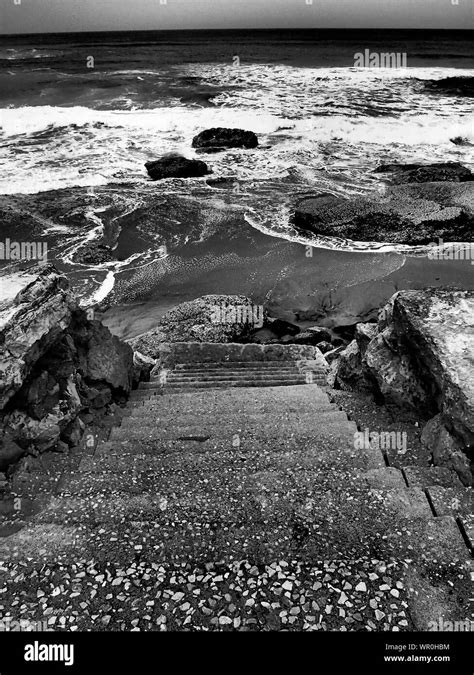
(232,497)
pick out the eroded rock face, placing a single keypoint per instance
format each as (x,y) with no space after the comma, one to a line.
(220,138)
(415,214)
(30,323)
(56,367)
(421,356)
(176,166)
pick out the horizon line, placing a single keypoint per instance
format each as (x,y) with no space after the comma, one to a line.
(220,30)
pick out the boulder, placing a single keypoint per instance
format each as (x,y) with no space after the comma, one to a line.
(427,173)
(413,214)
(419,356)
(221,138)
(176,166)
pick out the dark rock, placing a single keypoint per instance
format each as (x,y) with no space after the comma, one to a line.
(307,337)
(320,334)
(263,336)
(461,140)
(10,452)
(458,86)
(105,358)
(223,183)
(351,372)
(331,356)
(338,342)
(282,328)
(325,347)
(61,447)
(427,173)
(221,138)
(142,367)
(93,254)
(73,433)
(175,166)
(416,214)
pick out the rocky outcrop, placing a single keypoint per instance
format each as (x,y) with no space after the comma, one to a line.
(420,356)
(60,370)
(212,318)
(176,166)
(416,214)
(220,138)
(426,173)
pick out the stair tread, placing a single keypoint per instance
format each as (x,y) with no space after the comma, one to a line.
(451,500)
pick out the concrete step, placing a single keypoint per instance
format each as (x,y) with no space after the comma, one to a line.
(451,501)
(140,430)
(329,454)
(190,546)
(427,476)
(332,526)
(162,413)
(229,384)
(230,420)
(268,394)
(259,380)
(264,400)
(339,435)
(173,389)
(231,375)
(240,368)
(252,365)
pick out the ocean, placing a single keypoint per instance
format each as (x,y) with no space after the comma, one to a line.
(86,111)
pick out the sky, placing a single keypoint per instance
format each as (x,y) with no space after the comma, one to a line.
(40,16)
